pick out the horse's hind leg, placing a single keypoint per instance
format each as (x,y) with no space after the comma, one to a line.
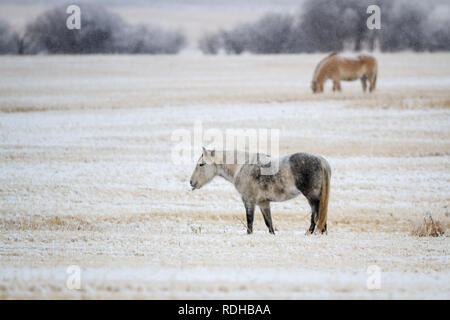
(314,203)
(364,83)
(373,82)
(313,224)
(265,210)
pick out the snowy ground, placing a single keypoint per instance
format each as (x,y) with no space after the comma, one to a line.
(86,178)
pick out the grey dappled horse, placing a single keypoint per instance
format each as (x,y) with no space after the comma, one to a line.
(297,173)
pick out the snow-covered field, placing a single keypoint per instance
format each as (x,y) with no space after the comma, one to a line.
(86,178)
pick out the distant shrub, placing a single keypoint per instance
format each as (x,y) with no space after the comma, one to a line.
(48,32)
(9,40)
(152,40)
(101,32)
(270,34)
(210,43)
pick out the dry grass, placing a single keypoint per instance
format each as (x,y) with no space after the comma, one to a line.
(429,227)
(404,99)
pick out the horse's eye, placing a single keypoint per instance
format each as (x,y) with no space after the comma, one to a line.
(201,164)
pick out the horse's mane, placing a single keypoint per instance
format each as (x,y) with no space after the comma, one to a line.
(319,65)
(248,157)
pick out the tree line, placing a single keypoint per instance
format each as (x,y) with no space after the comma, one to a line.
(101,32)
(335,25)
(320,26)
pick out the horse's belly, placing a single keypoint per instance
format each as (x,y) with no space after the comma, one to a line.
(278,195)
(351,75)
(290,195)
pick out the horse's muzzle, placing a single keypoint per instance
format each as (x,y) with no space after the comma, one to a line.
(193,185)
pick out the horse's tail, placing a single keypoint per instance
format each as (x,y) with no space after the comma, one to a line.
(324,196)
(375,80)
(375,67)
(375,76)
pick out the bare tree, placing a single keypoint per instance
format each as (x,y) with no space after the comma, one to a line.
(332,25)
(404,28)
(236,41)
(437,28)
(270,34)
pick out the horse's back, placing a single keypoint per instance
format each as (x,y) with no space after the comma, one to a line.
(342,67)
(353,68)
(370,63)
(307,161)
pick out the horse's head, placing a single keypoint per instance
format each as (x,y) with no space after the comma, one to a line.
(316,86)
(205,170)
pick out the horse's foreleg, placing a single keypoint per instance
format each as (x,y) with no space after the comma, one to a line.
(265,210)
(364,83)
(250,211)
(320,87)
(336,85)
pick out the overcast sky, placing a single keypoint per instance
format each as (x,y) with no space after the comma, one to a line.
(212,4)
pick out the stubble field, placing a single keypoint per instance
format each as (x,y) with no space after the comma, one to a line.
(87,178)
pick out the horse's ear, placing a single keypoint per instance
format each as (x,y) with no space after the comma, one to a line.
(208,153)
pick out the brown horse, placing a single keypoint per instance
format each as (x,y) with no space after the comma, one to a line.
(337,68)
